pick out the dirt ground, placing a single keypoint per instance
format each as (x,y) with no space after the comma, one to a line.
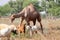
(51,29)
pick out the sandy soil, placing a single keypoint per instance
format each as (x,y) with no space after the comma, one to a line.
(51,30)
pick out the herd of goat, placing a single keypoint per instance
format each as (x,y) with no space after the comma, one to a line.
(29,13)
(6,30)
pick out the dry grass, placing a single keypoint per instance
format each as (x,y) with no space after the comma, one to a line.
(51,30)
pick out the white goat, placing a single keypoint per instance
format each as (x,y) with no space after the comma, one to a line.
(5,30)
(32,29)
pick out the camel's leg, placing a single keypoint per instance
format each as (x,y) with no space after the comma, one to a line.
(30,31)
(39,20)
(34,22)
(27,20)
(22,20)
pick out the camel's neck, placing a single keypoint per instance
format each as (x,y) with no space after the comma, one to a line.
(17,15)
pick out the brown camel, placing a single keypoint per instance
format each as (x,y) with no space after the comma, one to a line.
(29,13)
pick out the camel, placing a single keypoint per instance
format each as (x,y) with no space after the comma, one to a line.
(29,13)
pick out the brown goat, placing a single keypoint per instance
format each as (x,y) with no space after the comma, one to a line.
(21,28)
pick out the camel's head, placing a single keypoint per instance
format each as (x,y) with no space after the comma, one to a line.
(12,18)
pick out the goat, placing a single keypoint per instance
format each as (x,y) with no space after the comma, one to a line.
(21,28)
(5,30)
(32,29)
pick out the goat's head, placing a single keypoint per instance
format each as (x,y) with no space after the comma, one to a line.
(21,28)
(13,28)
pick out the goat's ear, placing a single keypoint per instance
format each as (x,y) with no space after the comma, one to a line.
(24,24)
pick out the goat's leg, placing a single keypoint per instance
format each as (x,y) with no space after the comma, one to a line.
(0,38)
(8,37)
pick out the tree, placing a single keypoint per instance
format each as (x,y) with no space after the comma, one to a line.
(18,5)
(5,10)
(54,8)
